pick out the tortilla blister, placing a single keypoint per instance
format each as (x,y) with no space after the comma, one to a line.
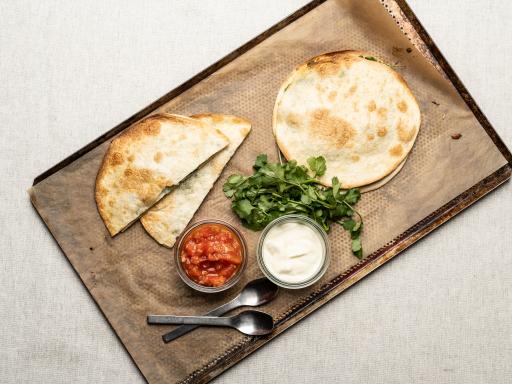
(144,162)
(352,109)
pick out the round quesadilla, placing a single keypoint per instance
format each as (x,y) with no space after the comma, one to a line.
(145,161)
(352,109)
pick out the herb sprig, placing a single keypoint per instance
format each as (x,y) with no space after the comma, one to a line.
(274,190)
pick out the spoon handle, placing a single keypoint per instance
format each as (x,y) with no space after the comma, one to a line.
(184,329)
(196,320)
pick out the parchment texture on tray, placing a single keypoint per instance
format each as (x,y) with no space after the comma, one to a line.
(130,275)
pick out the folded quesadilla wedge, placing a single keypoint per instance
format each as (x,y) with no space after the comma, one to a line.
(144,162)
(167,219)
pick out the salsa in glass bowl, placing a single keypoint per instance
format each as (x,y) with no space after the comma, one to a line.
(210,256)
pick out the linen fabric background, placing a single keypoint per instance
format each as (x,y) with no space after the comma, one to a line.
(71,71)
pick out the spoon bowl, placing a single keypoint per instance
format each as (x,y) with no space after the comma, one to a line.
(257,292)
(254,323)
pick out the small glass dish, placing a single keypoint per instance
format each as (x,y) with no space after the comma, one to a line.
(326,251)
(231,281)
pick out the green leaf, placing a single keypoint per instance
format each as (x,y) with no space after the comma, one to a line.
(278,170)
(311,192)
(356,244)
(231,185)
(321,194)
(357,248)
(335,186)
(317,165)
(290,165)
(243,208)
(349,224)
(296,174)
(261,161)
(371,58)
(353,196)
(340,211)
(235,179)
(265,204)
(228,192)
(305,199)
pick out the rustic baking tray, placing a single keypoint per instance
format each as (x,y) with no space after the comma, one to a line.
(130,275)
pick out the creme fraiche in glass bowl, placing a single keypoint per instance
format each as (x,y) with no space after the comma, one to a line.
(293,251)
(211,256)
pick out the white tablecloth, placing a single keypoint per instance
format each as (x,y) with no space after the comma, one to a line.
(441,312)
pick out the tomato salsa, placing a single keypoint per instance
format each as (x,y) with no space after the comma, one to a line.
(211,254)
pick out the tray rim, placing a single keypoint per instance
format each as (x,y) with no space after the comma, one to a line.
(343,281)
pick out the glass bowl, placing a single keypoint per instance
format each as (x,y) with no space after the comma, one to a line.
(326,251)
(229,282)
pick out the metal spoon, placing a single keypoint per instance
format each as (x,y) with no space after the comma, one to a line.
(255,293)
(253,323)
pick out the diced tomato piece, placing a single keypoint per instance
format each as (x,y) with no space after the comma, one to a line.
(215,281)
(227,270)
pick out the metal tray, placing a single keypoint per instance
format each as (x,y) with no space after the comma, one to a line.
(101,261)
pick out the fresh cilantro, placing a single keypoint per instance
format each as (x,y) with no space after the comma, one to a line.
(260,162)
(243,208)
(349,224)
(275,190)
(371,58)
(357,249)
(317,165)
(352,196)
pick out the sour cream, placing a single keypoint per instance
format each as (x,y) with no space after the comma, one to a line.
(293,251)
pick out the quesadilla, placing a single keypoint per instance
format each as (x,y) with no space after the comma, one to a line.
(352,109)
(144,162)
(167,219)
